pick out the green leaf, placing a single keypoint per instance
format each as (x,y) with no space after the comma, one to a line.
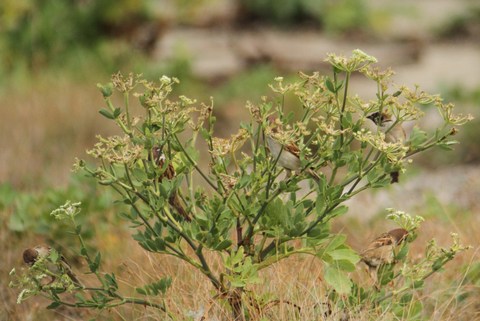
(447,145)
(340,210)
(385,274)
(54,255)
(438,264)
(402,253)
(418,284)
(141,291)
(80,297)
(96,263)
(98,257)
(338,280)
(344,265)
(155,288)
(415,309)
(162,285)
(318,232)
(329,85)
(417,137)
(320,205)
(345,254)
(223,245)
(112,281)
(335,242)
(54,305)
(106,113)
(406,299)
(116,112)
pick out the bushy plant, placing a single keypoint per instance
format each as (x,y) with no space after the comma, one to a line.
(241,208)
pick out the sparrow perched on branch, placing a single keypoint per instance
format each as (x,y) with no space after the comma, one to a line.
(60,267)
(394,134)
(382,250)
(169,173)
(288,155)
(383,120)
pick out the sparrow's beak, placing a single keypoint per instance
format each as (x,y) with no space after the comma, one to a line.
(374,117)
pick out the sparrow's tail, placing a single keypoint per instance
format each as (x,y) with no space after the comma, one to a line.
(74,278)
(177,205)
(394,177)
(69,272)
(314,175)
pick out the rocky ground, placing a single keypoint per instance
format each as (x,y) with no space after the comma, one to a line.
(454,188)
(408,41)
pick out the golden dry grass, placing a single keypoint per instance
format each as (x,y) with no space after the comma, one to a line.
(44,125)
(294,282)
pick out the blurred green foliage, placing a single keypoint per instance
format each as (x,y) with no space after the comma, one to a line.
(468,152)
(335,16)
(35,33)
(29,212)
(465,25)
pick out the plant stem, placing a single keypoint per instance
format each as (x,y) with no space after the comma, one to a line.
(196,166)
(344,103)
(127,112)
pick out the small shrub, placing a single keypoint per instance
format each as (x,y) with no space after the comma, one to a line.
(243,210)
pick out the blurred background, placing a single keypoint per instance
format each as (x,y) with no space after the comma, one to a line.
(53,53)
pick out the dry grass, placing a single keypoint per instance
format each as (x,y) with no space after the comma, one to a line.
(295,282)
(43,127)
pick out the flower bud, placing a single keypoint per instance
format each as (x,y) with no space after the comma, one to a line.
(106,90)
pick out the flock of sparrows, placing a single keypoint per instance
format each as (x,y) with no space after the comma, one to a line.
(380,251)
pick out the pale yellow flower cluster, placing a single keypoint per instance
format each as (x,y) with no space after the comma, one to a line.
(125,84)
(395,151)
(116,149)
(222,147)
(357,61)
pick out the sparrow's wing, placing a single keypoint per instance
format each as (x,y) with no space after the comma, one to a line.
(292,148)
(68,270)
(175,202)
(383,240)
(169,171)
(379,251)
(65,262)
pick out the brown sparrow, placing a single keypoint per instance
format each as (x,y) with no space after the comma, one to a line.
(169,173)
(32,255)
(382,250)
(288,155)
(394,135)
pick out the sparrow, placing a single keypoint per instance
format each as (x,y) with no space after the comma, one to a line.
(169,173)
(288,155)
(394,135)
(60,267)
(382,250)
